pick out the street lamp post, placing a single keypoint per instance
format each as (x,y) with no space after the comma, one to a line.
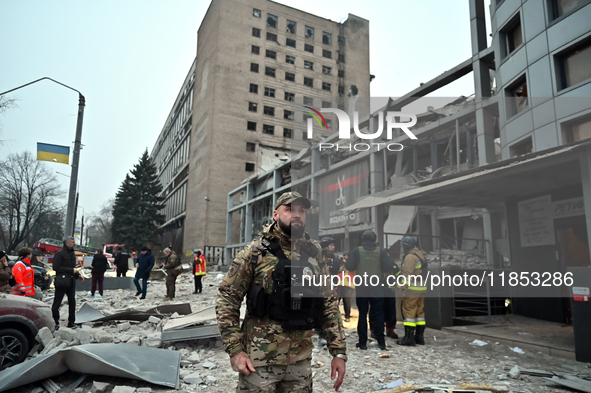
(69,227)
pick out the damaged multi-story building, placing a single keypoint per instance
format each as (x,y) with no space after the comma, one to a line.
(495,181)
(234,113)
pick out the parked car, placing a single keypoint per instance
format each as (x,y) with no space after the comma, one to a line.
(20,320)
(43,279)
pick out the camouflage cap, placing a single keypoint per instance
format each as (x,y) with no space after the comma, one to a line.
(289,197)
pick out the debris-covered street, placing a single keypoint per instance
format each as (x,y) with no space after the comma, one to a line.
(447,359)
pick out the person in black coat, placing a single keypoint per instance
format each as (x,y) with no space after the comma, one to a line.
(99,267)
(64,262)
(122,262)
(144,265)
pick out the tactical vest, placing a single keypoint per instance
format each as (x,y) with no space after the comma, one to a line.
(296,306)
(369,262)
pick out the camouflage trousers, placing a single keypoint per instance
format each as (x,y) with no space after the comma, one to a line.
(295,378)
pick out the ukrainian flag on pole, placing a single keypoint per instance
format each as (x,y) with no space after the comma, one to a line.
(53,153)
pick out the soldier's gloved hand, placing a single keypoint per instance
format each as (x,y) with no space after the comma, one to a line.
(241,363)
(337,366)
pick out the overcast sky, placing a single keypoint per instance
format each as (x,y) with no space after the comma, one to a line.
(129,59)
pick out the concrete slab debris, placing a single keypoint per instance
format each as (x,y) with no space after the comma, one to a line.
(124,389)
(572,382)
(194,333)
(98,359)
(99,387)
(87,313)
(44,336)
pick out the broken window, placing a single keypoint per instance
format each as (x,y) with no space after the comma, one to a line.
(287,132)
(271,37)
(289,77)
(309,33)
(326,104)
(254,88)
(341,39)
(520,148)
(573,65)
(256,32)
(289,59)
(563,7)
(289,96)
(511,36)
(341,89)
(341,58)
(269,92)
(252,106)
(291,26)
(271,54)
(254,67)
(326,38)
(327,54)
(249,167)
(309,82)
(251,146)
(308,101)
(326,70)
(309,48)
(517,97)
(328,123)
(341,73)
(290,42)
(308,65)
(287,114)
(306,117)
(576,130)
(268,129)
(269,110)
(256,13)
(270,71)
(272,21)
(326,86)
(251,126)
(256,49)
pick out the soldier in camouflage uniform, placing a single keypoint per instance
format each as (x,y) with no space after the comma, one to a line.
(268,357)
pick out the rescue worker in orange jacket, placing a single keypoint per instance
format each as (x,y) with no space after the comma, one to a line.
(413,292)
(199,270)
(24,274)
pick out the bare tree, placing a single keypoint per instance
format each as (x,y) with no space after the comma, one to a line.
(99,225)
(28,192)
(5,104)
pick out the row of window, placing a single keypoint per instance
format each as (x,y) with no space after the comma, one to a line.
(291,28)
(256,32)
(270,129)
(290,77)
(289,59)
(175,203)
(179,158)
(287,96)
(174,131)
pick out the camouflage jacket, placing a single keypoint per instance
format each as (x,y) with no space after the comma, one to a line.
(263,339)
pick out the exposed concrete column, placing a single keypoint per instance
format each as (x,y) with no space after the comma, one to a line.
(435,230)
(377,183)
(248,213)
(485,134)
(488,236)
(585,163)
(478,26)
(227,251)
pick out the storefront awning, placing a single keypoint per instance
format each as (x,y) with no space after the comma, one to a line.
(495,183)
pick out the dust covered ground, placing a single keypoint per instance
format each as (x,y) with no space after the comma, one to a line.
(446,359)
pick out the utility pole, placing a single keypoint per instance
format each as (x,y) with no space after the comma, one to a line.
(69,226)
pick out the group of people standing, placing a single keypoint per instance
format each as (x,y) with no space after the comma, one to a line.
(19,279)
(372,260)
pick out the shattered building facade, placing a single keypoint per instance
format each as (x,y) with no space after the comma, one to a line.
(233,115)
(496,181)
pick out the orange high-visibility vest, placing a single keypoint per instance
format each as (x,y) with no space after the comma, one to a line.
(24,276)
(200,269)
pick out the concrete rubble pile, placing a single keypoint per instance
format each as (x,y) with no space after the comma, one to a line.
(457,259)
(447,360)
